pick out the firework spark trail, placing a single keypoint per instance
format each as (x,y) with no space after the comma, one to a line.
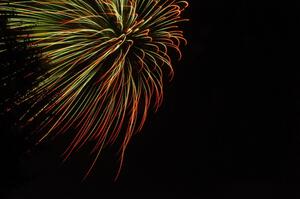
(107,60)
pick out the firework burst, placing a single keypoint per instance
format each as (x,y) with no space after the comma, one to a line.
(105,63)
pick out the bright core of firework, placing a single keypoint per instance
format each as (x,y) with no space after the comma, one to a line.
(106,60)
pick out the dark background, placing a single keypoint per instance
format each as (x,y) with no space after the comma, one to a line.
(229,126)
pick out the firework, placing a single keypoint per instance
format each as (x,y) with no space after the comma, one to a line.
(105,63)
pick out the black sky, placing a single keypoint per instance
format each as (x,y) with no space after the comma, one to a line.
(229,125)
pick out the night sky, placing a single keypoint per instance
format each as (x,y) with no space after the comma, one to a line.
(229,125)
